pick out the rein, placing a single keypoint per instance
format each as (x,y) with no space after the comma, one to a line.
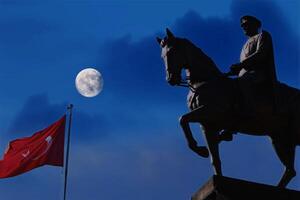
(184,83)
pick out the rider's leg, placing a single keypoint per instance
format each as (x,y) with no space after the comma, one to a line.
(246,86)
(245,101)
(211,135)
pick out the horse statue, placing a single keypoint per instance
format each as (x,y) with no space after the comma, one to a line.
(214,102)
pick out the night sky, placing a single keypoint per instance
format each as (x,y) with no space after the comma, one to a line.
(126,143)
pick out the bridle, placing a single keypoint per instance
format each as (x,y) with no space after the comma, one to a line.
(185,83)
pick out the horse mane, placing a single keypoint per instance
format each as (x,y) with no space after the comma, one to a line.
(201,66)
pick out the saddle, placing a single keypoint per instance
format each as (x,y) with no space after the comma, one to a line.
(264,101)
(255,100)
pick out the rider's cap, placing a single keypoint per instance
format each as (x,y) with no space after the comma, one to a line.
(252,19)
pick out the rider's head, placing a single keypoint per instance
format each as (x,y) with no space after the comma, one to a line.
(250,25)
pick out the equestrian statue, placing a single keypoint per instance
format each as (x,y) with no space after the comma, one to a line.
(248,99)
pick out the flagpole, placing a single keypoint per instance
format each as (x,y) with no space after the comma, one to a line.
(70,107)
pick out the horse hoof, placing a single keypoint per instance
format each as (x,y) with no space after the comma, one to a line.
(202,151)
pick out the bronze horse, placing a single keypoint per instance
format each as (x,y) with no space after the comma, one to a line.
(215,104)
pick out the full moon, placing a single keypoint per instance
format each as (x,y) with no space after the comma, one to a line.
(89,82)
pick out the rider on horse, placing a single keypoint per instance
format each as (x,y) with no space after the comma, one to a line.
(256,69)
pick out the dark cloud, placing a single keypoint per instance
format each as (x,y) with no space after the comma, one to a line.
(38,113)
(286,42)
(136,67)
(222,39)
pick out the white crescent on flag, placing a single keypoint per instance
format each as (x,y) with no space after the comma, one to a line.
(26,154)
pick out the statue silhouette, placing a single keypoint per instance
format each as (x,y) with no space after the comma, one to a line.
(256,72)
(214,102)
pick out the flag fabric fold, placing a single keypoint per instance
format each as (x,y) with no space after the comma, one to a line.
(45,147)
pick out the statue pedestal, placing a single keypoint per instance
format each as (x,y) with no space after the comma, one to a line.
(224,188)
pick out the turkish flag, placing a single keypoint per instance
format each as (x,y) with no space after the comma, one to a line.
(45,147)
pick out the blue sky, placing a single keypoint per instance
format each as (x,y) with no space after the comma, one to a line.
(126,142)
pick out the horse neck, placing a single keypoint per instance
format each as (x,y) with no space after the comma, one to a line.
(200,67)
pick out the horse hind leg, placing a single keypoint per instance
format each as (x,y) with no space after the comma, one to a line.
(286,153)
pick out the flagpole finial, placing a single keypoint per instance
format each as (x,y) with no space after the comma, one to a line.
(70,106)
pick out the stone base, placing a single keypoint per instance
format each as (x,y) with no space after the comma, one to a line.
(224,188)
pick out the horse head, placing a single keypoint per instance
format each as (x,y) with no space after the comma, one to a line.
(172,54)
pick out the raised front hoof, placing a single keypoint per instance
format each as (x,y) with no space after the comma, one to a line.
(202,151)
(286,178)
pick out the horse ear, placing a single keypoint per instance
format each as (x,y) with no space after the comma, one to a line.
(158,40)
(169,33)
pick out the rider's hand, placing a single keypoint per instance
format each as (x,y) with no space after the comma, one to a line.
(174,80)
(235,68)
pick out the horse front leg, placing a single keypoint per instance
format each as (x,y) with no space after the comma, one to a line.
(211,134)
(192,143)
(212,140)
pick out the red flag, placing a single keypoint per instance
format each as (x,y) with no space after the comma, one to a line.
(45,147)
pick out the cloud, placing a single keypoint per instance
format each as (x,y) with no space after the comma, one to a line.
(135,66)
(138,71)
(38,113)
(286,41)
(135,171)
(222,39)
